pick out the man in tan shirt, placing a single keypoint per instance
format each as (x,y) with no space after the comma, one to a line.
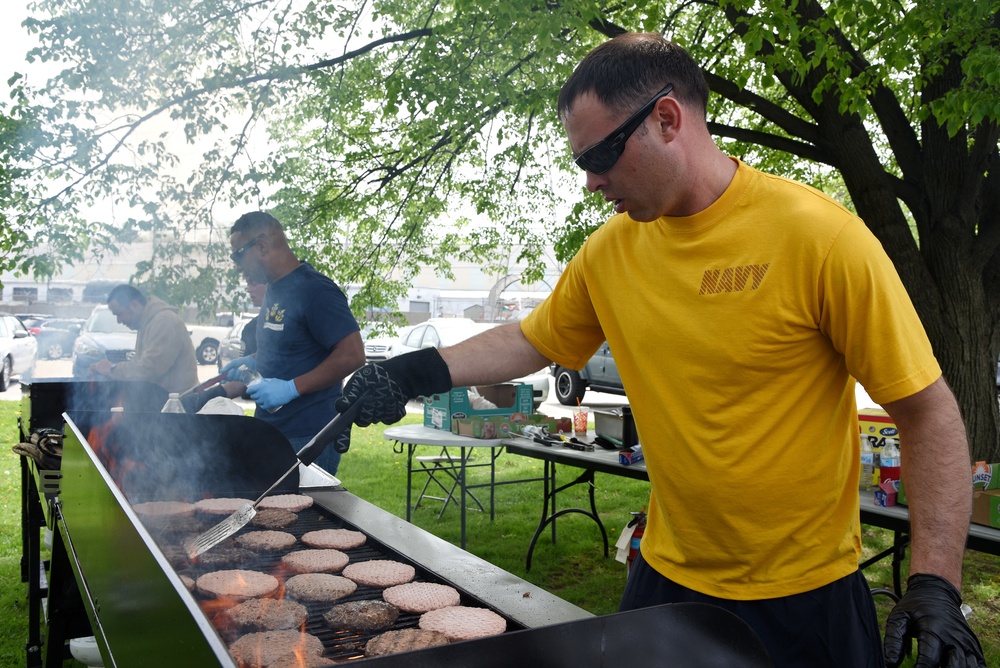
(164,353)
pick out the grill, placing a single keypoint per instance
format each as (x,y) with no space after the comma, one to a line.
(111,577)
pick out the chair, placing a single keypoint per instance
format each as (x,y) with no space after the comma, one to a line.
(436,467)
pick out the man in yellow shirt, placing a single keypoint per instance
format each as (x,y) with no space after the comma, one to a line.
(740,308)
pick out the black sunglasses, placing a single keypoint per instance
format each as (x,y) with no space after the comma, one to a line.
(603,155)
(237,255)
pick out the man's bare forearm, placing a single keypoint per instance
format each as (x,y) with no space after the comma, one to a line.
(495,356)
(937,474)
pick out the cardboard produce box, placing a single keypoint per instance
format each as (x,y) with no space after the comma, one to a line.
(986,507)
(441,409)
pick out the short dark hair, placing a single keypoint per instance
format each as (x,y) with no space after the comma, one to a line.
(124,294)
(625,71)
(254,223)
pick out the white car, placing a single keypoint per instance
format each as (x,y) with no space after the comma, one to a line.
(444,332)
(102,337)
(18,349)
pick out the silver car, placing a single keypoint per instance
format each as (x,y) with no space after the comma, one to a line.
(18,349)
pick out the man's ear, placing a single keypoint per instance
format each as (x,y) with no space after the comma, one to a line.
(669,116)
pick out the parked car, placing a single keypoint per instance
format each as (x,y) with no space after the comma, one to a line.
(207,339)
(231,345)
(32,321)
(444,332)
(599,374)
(56,337)
(101,336)
(381,348)
(18,349)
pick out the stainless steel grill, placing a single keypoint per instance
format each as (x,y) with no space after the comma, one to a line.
(110,575)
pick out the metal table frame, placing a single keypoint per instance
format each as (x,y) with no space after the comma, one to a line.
(598,460)
(895,518)
(412,436)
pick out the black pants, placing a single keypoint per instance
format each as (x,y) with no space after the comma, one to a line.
(834,626)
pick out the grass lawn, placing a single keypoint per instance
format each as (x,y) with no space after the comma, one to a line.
(574,568)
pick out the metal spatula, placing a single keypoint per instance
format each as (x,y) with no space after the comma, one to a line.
(307,455)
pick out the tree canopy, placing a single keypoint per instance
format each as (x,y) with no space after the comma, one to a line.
(375,130)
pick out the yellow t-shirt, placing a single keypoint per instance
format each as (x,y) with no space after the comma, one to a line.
(738,332)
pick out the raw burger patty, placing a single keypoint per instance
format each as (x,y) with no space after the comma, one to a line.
(267,614)
(266,541)
(319,587)
(291,502)
(463,623)
(338,539)
(380,572)
(237,584)
(362,616)
(264,649)
(420,597)
(273,518)
(164,509)
(220,506)
(404,640)
(315,561)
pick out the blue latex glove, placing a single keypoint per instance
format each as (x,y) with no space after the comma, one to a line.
(249,361)
(273,393)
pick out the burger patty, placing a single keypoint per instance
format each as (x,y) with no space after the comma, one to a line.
(420,597)
(164,509)
(380,572)
(266,541)
(228,554)
(267,647)
(220,506)
(403,640)
(362,616)
(311,661)
(267,614)
(292,502)
(274,518)
(315,561)
(238,585)
(338,539)
(319,587)
(459,622)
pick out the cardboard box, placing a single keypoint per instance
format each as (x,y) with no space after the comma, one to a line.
(877,425)
(886,493)
(986,508)
(490,427)
(440,409)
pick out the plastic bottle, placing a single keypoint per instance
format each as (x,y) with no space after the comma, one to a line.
(867,464)
(890,461)
(250,377)
(173,404)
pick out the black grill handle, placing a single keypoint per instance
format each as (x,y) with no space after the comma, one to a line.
(337,426)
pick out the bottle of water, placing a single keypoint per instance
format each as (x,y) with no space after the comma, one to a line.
(250,377)
(867,464)
(890,461)
(173,404)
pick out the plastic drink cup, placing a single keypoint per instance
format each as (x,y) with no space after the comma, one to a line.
(580,417)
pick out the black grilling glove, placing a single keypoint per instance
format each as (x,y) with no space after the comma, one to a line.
(930,611)
(390,384)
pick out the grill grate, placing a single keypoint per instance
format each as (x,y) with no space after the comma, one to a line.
(338,644)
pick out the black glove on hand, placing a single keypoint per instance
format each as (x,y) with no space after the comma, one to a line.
(930,611)
(390,384)
(195,401)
